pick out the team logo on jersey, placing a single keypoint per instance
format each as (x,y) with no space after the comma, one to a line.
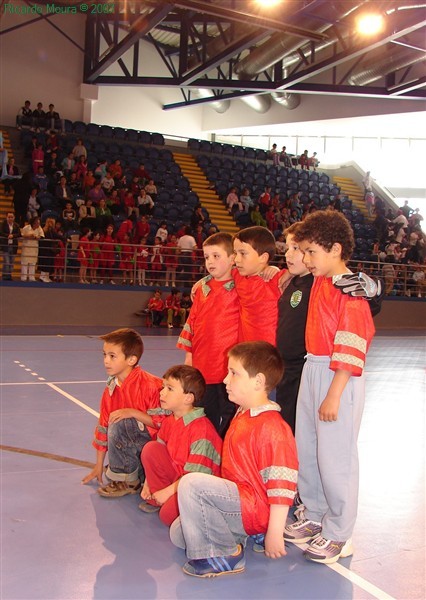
(295,299)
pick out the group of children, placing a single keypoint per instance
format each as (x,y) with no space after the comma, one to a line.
(240,337)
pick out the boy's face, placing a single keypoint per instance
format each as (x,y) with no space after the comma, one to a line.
(247,260)
(239,385)
(294,257)
(218,262)
(115,362)
(172,397)
(320,262)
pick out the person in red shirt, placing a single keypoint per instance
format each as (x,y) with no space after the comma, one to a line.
(156,308)
(186,442)
(171,260)
(259,474)
(107,258)
(120,431)
(84,254)
(173,308)
(212,327)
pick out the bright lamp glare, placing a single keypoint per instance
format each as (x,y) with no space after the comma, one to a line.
(268,3)
(370,24)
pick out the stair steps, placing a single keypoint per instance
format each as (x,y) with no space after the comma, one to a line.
(208,197)
(349,188)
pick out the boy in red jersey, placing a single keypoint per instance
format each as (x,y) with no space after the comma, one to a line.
(120,430)
(259,473)
(212,327)
(186,442)
(339,330)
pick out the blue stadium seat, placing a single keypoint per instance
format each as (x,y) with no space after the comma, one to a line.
(119,133)
(216,148)
(250,153)
(93,129)
(194,144)
(106,131)
(79,127)
(157,139)
(205,146)
(132,135)
(144,137)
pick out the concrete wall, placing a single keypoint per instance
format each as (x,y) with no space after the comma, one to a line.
(23,305)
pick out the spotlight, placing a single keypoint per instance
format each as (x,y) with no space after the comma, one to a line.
(370,24)
(267,3)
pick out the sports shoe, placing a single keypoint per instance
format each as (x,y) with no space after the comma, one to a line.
(217,565)
(258,542)
(116,489)
(169,325)
(148,508)
(325,551)
(302,531)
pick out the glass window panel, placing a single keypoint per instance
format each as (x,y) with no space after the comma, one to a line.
(337,149)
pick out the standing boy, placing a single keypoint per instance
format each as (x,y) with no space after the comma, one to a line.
(259,472)
(130,391)
(212,327)
(186,442)
(339,330)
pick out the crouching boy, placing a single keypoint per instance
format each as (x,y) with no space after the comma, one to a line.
(259,473)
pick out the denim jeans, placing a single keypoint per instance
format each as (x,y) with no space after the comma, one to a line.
(125,443)
(210,515)
(8,260)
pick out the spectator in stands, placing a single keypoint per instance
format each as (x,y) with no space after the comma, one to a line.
(187,246)
(142,254)
(304,160)
(274,156)
(232,201)
(41,180)
(9,236)
(68,164)
(389,275)
(313,161)
(108,183)
(84,254)
(415,218)
(62,191)
(101,170)
(144,203)
(37,157)
(87,214)
(156,308)
(246,201)
(156,261)
(284,158)
(256,217)
(69,217)
(107,258)
(142,229)
(75,185)
(116,170)
(52,143)
(52,166)
(21,192)
(151,190)
(33,205)
(367,183)
(12,172)
(52,119)
(38,117)
(31,233)
(162,232)
(97,194)
(79,150)
(174,309)
(197,218)
(265,200)
(171,261)
(369,203)
(401,226)
(24,115)
(142,174)
(81,168)
(47,247)
(103,214)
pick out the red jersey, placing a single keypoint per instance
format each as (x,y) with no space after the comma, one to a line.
(139,390)
(339,326)
(212,328)
(258,307)
(259,455)
(155,304)
(192,441)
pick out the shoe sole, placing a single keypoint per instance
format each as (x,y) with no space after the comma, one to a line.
(303,540)
(119,494)
(210,575)
(148,508)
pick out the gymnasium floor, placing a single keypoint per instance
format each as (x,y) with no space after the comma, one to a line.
(61,541)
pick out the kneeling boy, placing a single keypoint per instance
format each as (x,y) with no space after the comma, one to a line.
(259,471)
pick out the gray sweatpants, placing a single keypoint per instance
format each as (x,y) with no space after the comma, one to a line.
(328,454)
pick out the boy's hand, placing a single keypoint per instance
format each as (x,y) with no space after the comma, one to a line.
(269,273)
(358,285)
(329,409)
(96,473)
(119,415)
(274,545)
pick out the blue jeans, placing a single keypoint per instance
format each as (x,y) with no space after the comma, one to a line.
(125,443)
(8,260)
(210,515)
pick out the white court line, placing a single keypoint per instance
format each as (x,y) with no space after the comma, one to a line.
(365,585)
(78,402)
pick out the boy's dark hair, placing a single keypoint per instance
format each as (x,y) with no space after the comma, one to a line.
(220,239)
(191,380)
(325,228)
(128,339)
(260,357)
(260,238)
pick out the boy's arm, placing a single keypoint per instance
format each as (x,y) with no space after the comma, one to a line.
(97,471)
(131,413)
(274,538)
(329,408)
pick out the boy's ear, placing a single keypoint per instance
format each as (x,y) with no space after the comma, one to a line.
(260,381)
(189,398)
(264,257)
(132,360)
(336,249)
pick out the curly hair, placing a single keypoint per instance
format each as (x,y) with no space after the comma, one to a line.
(325,228)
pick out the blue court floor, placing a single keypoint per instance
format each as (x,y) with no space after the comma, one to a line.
(62,541)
